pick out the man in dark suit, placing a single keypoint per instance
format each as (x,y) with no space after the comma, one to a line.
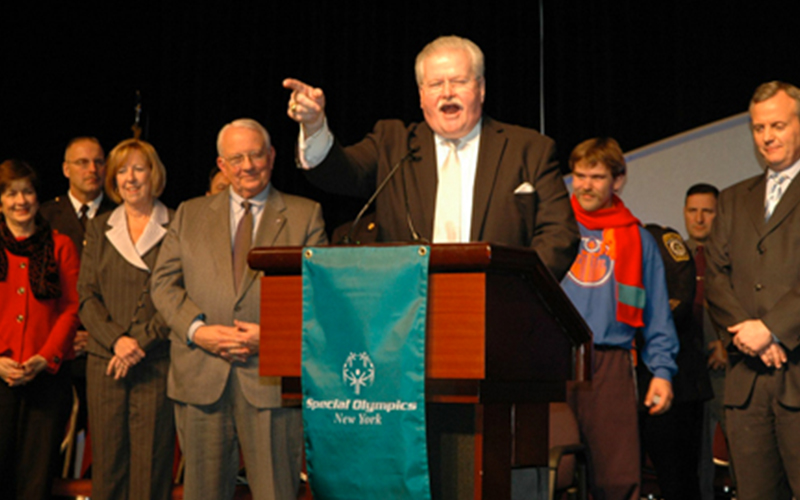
(211,301)
(753,291)
(85,167)
(468,177)
(699,212)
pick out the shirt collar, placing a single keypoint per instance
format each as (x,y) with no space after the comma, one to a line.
(117,233)
(258,200)
(463,141)
(77,204)
(790,172)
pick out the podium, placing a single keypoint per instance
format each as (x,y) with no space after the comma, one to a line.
(502,340)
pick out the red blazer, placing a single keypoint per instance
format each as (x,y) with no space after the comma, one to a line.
(29,326)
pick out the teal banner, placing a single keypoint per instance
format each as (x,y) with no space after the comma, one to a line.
(364,372)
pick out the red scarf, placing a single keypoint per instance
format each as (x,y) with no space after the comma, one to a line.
(621,232)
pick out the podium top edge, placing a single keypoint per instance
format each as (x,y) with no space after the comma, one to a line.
(449,257)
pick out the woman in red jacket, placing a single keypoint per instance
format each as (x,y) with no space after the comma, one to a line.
(38,317)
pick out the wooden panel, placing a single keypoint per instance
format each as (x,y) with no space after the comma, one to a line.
(455,339)
(496,454)
(456,326)
(531,429)
(281,347)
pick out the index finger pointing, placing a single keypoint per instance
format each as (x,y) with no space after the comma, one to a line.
(296,85)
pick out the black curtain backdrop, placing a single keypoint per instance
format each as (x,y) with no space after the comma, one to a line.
(637,71)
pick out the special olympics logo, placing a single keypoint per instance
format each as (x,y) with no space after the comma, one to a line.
(358,371)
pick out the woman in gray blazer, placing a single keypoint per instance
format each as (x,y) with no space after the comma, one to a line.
(130,417)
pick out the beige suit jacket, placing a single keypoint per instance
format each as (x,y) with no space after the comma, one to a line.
(194,279)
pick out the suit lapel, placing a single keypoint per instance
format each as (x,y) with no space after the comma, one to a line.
(490,153)
(422,181)
(70,221)
(788,203)
(269,227)
(106,205)
(755,204)
(219,223)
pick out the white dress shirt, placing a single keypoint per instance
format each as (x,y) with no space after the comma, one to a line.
(313,149)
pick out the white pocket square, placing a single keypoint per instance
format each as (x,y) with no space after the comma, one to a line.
(524,188)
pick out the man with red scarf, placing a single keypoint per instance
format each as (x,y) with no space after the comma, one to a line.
(617,283)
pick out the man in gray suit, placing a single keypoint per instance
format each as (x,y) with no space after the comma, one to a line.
(753,292)
(210,298)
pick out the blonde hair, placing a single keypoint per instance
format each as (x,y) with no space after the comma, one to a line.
(119,155)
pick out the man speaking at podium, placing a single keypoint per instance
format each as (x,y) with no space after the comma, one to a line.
(460,176)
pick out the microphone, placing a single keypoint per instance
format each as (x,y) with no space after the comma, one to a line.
(410,154)
(414,235)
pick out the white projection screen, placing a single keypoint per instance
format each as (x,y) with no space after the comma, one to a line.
(720,153)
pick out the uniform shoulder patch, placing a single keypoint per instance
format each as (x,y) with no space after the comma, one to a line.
(675,246)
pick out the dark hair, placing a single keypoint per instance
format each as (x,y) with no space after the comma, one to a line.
(703,188)
(14,170)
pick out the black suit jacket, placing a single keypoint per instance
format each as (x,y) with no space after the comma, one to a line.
(753,272)
(508,157)
(62,217)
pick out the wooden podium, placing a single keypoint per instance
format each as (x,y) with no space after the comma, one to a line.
(501,343)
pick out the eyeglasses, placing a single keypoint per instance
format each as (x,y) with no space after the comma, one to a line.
(85,162)
(253,156)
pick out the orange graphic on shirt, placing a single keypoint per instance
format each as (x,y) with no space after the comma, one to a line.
(595,261)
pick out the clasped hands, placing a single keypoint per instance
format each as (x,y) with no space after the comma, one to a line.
(232,343)
(753,338)
(16,374)
(127,353)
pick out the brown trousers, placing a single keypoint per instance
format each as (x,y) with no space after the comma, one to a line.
(606,412)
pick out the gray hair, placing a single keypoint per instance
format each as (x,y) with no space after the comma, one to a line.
(243,123)
(451,43)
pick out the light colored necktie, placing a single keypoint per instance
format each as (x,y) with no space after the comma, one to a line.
(775,193)
(447,220)
(241,244)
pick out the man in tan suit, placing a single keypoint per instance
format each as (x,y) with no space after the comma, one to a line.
(210,299)
(753,292)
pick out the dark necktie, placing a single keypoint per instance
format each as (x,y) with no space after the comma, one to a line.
(83,218)
(241,245)
(700,290)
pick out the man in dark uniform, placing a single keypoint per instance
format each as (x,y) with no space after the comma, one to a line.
(672,440)
(85,167)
